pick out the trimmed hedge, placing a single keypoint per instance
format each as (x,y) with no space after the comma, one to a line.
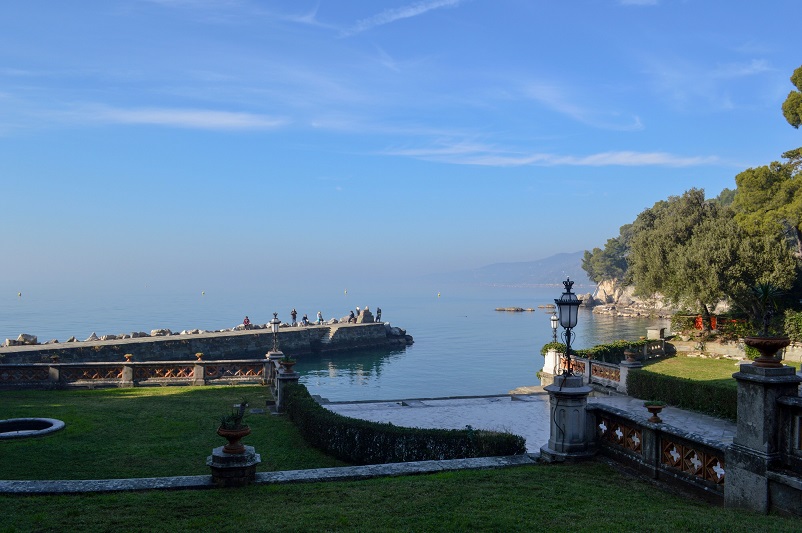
(716,400)
(363,442)
(606,353)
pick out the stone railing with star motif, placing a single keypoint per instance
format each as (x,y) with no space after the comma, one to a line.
(661,451)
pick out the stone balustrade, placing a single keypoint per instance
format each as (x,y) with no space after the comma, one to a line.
(134,374)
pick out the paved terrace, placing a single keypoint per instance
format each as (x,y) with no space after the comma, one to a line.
(523,414)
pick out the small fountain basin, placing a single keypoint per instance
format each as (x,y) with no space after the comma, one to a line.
(21,428)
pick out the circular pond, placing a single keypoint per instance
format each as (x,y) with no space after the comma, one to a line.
(20,428)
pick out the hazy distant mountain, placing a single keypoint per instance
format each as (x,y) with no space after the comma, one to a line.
(548,271)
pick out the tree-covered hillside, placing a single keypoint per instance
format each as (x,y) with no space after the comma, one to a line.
(698,252)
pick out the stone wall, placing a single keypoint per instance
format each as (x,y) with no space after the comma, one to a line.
(227,345)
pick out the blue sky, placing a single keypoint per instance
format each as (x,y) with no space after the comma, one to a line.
(186,141)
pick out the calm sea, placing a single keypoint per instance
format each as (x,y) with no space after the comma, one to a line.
(462,345)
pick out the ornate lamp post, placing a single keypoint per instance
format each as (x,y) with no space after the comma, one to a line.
(274,324)
(568,306)
(554,322)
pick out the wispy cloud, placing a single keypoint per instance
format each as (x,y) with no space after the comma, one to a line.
(391,15)
(470,153)
(556,98)
(181,118)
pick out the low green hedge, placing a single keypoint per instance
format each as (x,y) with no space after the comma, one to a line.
(716,400)
(612,352)
(363,442)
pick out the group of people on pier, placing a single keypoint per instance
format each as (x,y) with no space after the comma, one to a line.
(352,317)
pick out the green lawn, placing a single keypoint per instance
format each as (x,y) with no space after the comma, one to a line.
(142,432)
(719,371)
(170,431)
(585,497)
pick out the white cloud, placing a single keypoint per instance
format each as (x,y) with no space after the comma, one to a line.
(391,15)
(467,153)
(182,118)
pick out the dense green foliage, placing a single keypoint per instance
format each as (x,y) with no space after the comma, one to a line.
(792,107)
(557,346)
(363,442)
(682,323)
(793,325)
(578,497)
(611,262)
(612,352)
(607,353)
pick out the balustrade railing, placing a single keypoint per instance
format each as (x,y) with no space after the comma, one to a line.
(661,451)
(134,374)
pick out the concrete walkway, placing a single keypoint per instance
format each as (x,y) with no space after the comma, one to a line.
(523,414)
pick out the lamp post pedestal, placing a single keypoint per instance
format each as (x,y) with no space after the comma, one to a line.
(570,436)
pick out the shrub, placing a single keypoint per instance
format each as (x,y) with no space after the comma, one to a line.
(793,325)
(730,329)
(606,353)
(715,400)
(558,346)
(363,442)
(612,352)
(683,323)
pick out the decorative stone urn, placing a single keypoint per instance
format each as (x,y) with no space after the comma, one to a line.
(768,348)
(287,364)
(233,436)
(654,408)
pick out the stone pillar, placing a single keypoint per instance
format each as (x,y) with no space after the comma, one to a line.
(570,437)
(54,374)
(551,367)
(199,374)
(272,366)
(756,446)
(623,371)
(283,379)
(128,376)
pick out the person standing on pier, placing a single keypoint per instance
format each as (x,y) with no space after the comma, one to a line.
(247,322)
(294,314)
(320,318)
(351,317)
(378,314)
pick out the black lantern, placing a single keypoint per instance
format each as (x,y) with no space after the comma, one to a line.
(554,323)
(568,306)
(274,324)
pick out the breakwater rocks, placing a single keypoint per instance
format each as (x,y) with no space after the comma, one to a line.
(236,343)
(514,309)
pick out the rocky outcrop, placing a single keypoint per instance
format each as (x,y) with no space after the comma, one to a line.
(612,298)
